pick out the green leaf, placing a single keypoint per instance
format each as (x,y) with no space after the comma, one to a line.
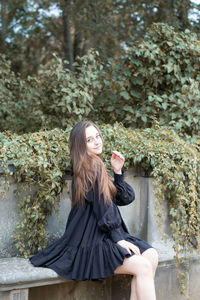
(125,95)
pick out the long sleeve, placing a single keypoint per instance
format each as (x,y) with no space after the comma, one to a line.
(125,193)
(108,216)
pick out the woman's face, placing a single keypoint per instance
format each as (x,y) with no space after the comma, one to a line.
(94,143)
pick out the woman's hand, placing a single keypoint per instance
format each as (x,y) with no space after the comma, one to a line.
(117,162)
(129,247)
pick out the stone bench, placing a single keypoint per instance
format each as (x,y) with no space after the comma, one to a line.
(19,280)
(17,275)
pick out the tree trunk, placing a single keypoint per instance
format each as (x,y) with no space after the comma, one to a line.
(78,45)
(174,12)
(182,13)
(166,11)
(3,26)
(67,38)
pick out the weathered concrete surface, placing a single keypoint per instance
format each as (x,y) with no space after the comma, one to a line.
(154,236)
(20,273)
(167,283)
(73,291)
(136,213)
(121,285)
(15,295)
(8,219)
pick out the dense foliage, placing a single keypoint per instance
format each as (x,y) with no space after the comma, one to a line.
(56,97)
(158,78)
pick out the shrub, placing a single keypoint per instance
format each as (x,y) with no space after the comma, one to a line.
(57,97)
(158,78)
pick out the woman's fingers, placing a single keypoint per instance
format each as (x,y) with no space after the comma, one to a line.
(126,247)
(117,161)
(129,247)
(134,249)
(118,154)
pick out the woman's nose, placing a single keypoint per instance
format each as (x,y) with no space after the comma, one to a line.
(96,140)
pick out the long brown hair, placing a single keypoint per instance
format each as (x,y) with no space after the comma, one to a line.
(87,168)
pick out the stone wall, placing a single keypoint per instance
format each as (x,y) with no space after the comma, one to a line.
(139,215)
(135,215)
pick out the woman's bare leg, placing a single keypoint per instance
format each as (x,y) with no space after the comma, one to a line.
(141,268)
(133,289)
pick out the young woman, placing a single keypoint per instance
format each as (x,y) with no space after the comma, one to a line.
(96,243)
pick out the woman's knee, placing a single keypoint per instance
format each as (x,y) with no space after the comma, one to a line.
(141,267)
(152,255)
(145,267)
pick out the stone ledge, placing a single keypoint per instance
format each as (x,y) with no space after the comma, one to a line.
(17,273)
(20,280)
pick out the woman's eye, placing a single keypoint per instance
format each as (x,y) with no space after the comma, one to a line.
(89,140)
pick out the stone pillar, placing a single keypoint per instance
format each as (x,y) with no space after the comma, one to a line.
(19,294)
(135,214)
(164,246)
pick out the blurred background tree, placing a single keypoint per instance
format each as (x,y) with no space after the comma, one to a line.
(137,72)
(31,30)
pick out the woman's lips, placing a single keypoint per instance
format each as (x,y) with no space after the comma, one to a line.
(97,147)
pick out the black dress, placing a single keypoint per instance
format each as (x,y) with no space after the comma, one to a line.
(88,248)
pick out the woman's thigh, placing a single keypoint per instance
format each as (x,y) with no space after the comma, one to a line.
(135,265)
